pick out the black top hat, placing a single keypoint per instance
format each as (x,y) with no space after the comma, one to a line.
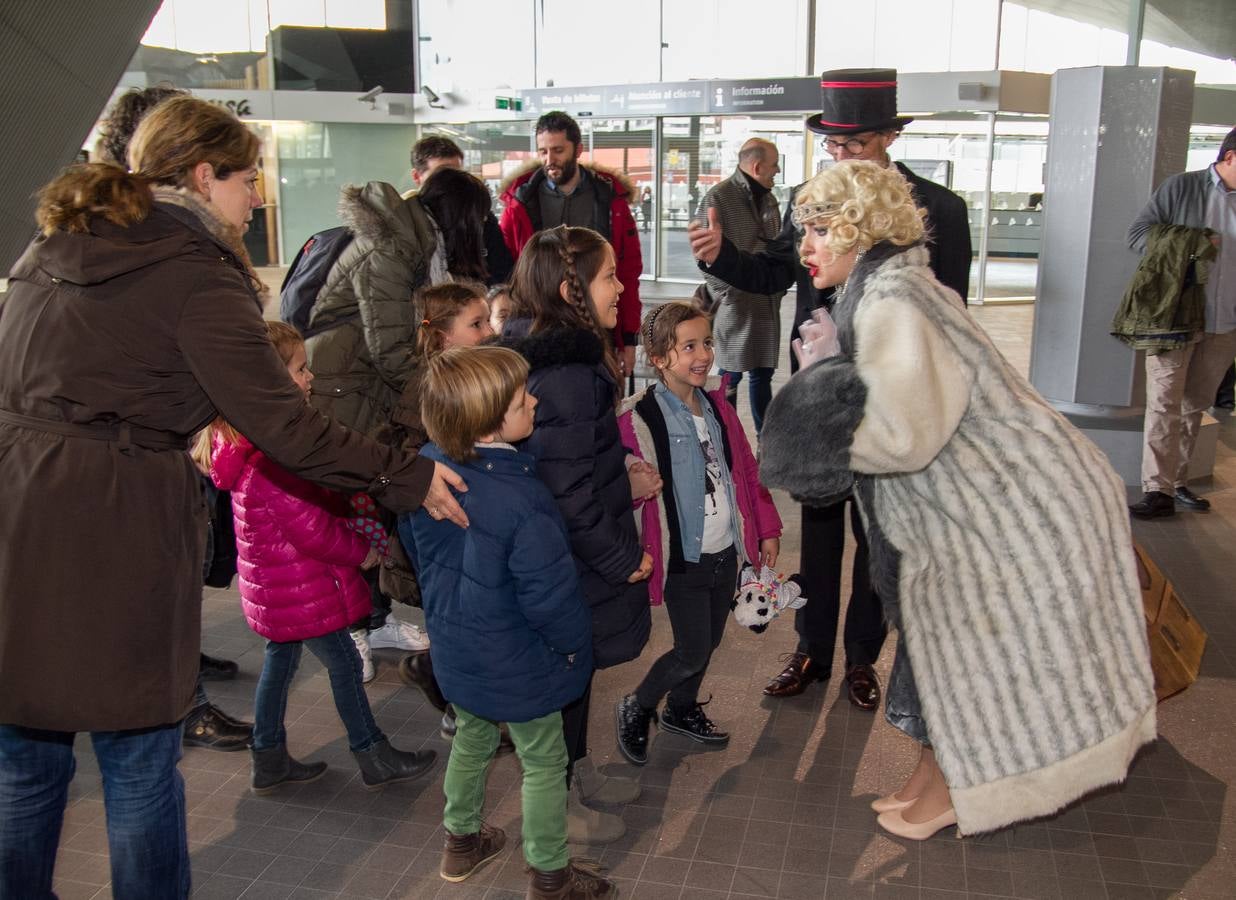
(858,100)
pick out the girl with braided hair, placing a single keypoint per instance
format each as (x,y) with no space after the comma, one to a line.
(565,294)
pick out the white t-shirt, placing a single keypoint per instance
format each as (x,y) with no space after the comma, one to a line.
(718,534)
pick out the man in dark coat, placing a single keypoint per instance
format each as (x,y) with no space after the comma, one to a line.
(858,121)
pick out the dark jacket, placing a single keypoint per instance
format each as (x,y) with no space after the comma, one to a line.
(1164,306)
(512,639)
(777,266)
(155,327)
(580,456)
(521,218)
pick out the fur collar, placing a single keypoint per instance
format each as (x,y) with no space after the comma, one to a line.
(623,186)
(558,346)
(377,213)
(224,233)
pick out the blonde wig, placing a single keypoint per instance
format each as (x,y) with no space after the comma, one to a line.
(861,204)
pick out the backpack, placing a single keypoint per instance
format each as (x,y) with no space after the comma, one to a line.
(305,278)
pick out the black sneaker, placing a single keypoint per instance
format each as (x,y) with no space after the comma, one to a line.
(632,722)
(1154,505)
(691,722)
(1190,500)
(210,727)
(212,669)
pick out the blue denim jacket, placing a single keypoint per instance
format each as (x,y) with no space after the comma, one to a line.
(687,462)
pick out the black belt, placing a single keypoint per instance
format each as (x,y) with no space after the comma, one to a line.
(122,434)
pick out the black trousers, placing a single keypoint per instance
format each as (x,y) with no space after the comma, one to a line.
(575,727)
(698,602)
(823,543)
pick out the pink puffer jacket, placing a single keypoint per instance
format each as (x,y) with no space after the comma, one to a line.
(297,559)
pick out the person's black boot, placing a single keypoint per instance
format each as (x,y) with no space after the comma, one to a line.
(210,668)
(416,669)
(631,725)
(382,764)
(210,727)
(274,767)
(691,722)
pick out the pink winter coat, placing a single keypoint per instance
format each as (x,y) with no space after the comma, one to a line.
(756,511)
(298,562)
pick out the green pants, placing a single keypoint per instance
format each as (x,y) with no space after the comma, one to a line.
(542,753)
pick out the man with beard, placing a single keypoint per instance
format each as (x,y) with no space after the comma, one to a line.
(858,121)
(561,190)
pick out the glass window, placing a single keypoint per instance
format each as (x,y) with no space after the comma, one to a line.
(1032,40)
(733,39)
(476,44)
(573,49)
(925,36)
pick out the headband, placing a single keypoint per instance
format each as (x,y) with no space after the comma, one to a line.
(652,317)
(805,212)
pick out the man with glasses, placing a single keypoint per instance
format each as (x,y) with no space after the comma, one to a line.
(747,326)
(858,121)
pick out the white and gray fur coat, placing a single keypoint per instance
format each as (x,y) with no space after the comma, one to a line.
(998,533)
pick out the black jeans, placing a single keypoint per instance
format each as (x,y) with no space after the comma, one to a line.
(575,727)
(823,545)
(698,601)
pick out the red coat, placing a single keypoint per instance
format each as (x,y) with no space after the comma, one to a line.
(298,561)
(617,193)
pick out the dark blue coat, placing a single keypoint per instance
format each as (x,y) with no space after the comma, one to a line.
(580,457)
(512,638)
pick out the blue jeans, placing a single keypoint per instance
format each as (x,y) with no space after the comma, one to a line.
(760,389)
(343,664)
(143,796)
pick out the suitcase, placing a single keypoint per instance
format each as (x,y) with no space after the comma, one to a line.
(1177,640)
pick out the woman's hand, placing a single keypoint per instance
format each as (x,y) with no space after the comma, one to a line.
(770,549)
(645,480)
(818,339)
(644,570)
(372,559)
(439,501)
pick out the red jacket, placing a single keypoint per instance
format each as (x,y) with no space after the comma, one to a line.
(298,562)
(613,191)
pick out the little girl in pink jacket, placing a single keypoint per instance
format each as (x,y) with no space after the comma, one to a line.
(711,516)
(299,564)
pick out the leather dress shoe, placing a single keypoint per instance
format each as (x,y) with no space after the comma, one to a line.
(800,671)
(863,687)
(1153,505)
(212,728)
(212,669)
(1190,500)
(416,669)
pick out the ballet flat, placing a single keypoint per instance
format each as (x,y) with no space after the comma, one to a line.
(893,823)
(890,803)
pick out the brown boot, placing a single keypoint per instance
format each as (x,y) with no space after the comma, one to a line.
(464,854)
(580,880)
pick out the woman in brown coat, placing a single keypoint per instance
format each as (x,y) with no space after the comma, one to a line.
(130,322)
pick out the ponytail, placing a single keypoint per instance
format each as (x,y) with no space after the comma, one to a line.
(94,189)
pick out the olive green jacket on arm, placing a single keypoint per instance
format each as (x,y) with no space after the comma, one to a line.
(1165,303)
(366,354)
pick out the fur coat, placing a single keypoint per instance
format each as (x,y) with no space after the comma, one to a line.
(999,542)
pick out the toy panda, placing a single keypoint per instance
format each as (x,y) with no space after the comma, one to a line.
(762,596)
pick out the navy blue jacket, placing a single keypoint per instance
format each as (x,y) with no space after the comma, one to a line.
(512,638)
(580,456)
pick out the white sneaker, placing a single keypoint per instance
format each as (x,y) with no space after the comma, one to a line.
(400,635)
(361,639)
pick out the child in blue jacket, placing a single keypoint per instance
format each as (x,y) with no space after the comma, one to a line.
(512,635)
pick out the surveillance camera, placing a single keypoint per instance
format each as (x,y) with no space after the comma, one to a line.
(430,95)
(371,96)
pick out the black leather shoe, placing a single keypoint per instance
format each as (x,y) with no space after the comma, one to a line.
(209,727)
(416,670)
(1190,500)
(691,722)
(800,671)
(212,669)
(631,725)
(864,688)
(1153,505)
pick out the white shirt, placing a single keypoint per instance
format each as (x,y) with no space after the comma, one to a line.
(718,535)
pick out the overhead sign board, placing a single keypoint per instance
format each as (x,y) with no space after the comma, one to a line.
(794,95)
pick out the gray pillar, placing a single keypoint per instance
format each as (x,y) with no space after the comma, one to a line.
(1116,132)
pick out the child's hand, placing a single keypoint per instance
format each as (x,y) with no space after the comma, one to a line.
(770,549)
(644,570)
(645,480)
(372,559)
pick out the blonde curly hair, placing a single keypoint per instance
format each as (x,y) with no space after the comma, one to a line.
(861,203)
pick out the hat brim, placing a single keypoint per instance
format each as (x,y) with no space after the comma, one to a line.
(896,123)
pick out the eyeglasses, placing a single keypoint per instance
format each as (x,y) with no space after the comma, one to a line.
(852,145)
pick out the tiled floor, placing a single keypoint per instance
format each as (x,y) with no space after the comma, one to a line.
(782,812)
